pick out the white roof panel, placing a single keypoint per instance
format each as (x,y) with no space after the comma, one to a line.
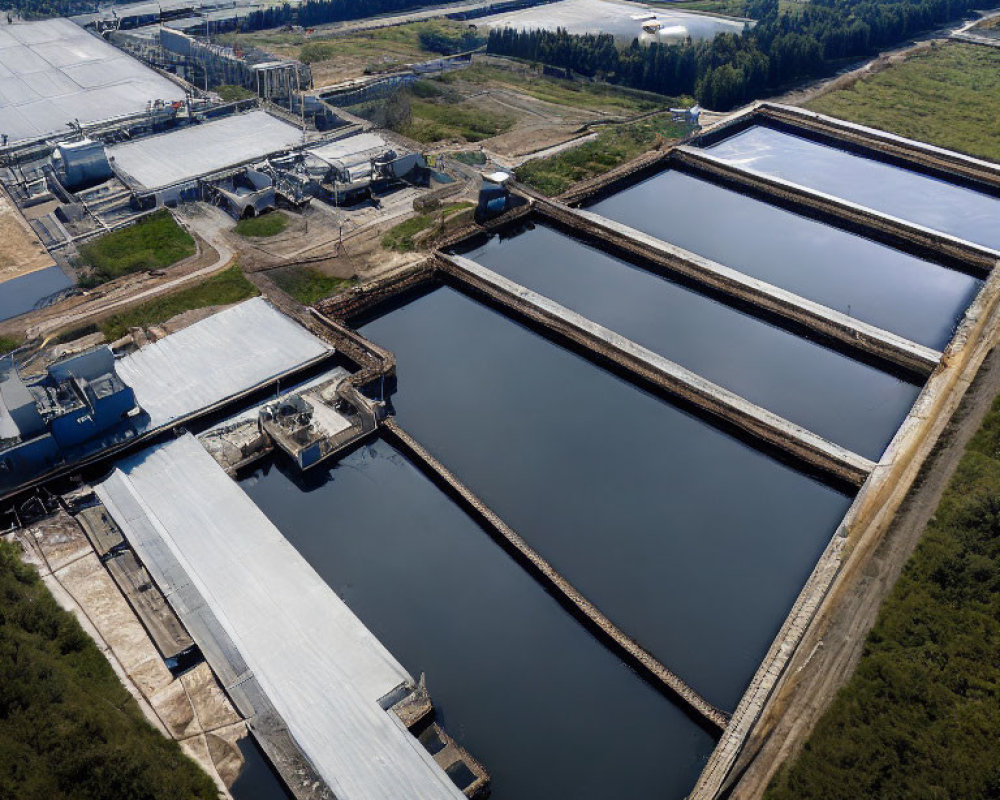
(344,149)
(217,358)
(181,155)
(63,73)
(320,667)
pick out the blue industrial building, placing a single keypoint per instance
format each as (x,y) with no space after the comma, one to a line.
(77,406)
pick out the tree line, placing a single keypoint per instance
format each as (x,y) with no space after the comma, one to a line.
(733,69)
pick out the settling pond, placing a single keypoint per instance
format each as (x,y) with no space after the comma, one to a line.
(844,400)
(514,677)
(890,289)
(911,196)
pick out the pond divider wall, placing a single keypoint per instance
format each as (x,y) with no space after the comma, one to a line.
(774,685)
(846,331)
(650,367)
(543,571)
(973,173)
(941,247)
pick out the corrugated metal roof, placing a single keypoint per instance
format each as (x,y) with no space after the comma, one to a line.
(348,149)
(182,155)
(53,72)
(216,358)
(322,670)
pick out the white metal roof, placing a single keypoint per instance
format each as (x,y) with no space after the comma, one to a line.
(182,155)
(53,72)
(216,358)
(348,149)
(322,670)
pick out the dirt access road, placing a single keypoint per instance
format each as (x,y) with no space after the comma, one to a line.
(841,640)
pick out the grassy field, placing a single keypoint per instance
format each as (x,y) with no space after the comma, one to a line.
(155,242)
(444,119)
(229,286)
(948,96)
(8,343)
(263,226)
(68,729)
(339,58)
(920,716)
(590,95)
(309,286)
(615,145)
(400,237)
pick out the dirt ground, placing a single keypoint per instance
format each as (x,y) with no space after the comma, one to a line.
(20,250)
(539,124)
(842,639)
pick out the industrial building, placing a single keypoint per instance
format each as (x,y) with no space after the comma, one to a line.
(55,76)
(88,404)
(77,406)
(172,166)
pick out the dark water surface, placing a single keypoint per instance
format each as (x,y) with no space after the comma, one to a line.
(529,691)
(909,195)
(693,542)
(843,400)
(20,295)
(257,780)
(870,281)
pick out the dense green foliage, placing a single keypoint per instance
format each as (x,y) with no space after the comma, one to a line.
(613,146)
(37,9)
(920,716)
(68,729)
(450,42)
(308,285)
(785,46)
(430,111)
(8,343)
(319,12)
(401,236)
(228,286)
(154,242)
(262,226)
(231,92)
(918,98)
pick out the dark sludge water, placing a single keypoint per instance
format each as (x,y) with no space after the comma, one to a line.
(22,294)
(870,281)
(846,401)
(912,196)
(257,780)
(693,542)
(549,710)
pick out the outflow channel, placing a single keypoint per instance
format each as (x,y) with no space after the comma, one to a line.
(846,401)
(549,710)
(903,193)
(691,541)
(877,284)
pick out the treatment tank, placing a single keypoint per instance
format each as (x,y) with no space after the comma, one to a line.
(81,164)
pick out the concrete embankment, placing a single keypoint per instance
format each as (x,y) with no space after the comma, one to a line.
(559,586)
(924,242)
(801,444)
(946,164)
(843,330)
(750,750)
